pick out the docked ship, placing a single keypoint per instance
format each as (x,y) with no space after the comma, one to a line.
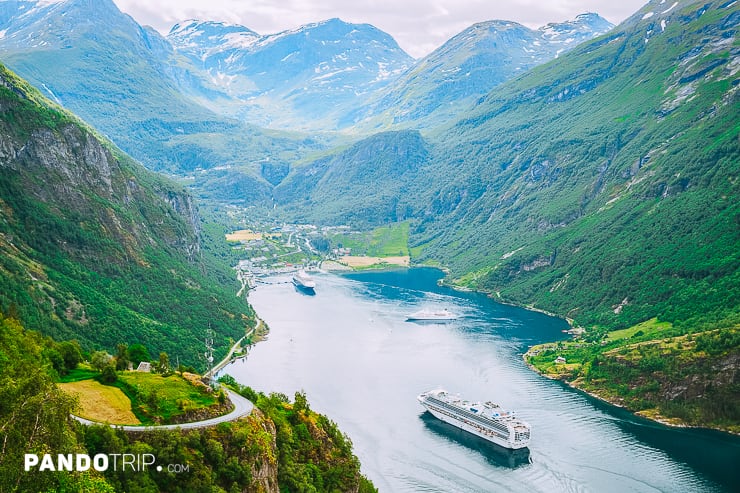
(486,420)
(304,282)
(431,316)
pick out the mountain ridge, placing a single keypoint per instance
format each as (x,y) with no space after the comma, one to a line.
(312,72)
(126,81)
(470,65)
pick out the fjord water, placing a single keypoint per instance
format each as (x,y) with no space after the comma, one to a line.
(358,360)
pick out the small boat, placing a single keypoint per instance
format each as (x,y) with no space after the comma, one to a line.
(431,316)
(304,282)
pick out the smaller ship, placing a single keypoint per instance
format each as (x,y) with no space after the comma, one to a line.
(304,282)
(431,316)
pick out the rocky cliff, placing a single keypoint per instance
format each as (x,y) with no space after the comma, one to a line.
(94,246)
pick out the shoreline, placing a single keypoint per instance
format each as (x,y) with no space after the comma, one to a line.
(662,420)
(494,296)
(573,331)
(231,357)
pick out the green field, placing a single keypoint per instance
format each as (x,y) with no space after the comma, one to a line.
(649,328)
(78,374)
(385,241)
(159,399)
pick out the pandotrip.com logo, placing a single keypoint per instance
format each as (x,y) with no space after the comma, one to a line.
(98,462)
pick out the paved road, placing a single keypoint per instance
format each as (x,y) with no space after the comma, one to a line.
(227,358)
(242,407)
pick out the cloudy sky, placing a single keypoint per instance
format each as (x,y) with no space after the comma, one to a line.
(419,26)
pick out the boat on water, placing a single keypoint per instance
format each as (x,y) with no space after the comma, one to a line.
(484,419)
(304,282)
(431,316)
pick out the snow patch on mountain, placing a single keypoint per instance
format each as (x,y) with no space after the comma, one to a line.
(670,8)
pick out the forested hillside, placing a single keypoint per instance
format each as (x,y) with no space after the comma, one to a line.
(366,184)
(283,446)
(96,248)
(604,186)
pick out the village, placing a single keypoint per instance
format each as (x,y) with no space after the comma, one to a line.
(268,248)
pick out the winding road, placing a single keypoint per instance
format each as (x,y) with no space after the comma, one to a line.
(242,407)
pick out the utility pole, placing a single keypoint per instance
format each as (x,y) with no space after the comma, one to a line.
(209,352)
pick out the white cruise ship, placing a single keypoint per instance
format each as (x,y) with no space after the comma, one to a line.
(303,281)
(487,420)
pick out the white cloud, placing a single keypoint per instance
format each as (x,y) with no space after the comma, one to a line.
(419,26)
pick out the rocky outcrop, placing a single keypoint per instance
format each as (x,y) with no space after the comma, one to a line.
(264,471)
(77,167)
(71,160)
(721,373)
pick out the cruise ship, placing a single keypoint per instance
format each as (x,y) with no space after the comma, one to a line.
(486,420)
(304,282)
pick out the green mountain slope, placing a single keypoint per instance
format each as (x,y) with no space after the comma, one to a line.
(281,446)
(604,185)
(604,188)
(96,248)
(601,186)
(365,183)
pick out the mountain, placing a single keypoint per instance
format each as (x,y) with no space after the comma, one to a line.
(602,187)
(599,186)
(299,79)
(94,247)
(126,81)
(469,66)
(374,173)
(112,76)
(580,169)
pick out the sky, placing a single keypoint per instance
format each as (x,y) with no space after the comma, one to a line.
(418,26)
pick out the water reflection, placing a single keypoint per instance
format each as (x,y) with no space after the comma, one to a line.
(719,451)
(494,454)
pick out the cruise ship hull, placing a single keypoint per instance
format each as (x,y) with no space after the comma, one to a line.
(303,287)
